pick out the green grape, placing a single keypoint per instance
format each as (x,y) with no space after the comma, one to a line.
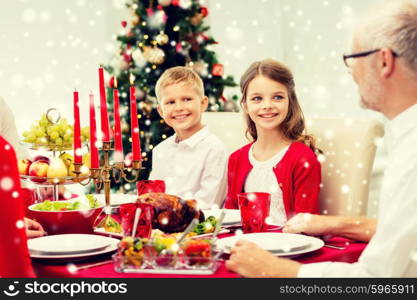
(69,131)
(54,135)
(41,141)
(63,122)
(67,138)
(59,141)
(25,133)
(43,123)
(40,133)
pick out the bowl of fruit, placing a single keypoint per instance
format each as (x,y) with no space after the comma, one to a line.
(69,216)
(57,170)
(51,132)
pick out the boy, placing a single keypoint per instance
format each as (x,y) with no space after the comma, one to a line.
(193,161)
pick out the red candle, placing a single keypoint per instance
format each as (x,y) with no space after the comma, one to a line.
(134,126)
(93,135)
(105,129)
(77,131)
(118,145)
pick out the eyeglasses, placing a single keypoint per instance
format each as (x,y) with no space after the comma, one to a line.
(346,57)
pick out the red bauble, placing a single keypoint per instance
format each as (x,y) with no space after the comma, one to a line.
(111,82)
(218,70)
(127,57)
(175,2)
(124,24)
(150,12)
(204,11)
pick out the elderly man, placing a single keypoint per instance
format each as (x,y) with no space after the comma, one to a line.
(383,63)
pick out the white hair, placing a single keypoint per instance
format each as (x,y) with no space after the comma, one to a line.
(392,25)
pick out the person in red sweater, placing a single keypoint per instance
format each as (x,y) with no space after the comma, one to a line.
(14,255)
(281,160)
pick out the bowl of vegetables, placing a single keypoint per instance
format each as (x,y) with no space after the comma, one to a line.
(69,216)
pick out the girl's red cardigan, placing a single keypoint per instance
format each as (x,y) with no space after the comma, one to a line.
(298,175)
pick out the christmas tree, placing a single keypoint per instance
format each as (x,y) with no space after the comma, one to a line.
(162,34)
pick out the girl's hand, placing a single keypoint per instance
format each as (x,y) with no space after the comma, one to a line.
(33,229)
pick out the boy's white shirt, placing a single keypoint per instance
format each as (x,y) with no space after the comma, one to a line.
(193,169)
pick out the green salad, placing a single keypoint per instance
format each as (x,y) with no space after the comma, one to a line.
(206,226)
(67,205)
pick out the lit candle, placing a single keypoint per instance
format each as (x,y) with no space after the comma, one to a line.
(77,131)
(93,134)
(105,129)
(118,145)
(134,126)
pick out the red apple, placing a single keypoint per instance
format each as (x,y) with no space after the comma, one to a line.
(41,157)
(39,168)
(23,166)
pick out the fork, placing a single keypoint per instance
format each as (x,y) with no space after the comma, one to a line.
(334,247)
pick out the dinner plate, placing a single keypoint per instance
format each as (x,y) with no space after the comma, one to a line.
(232,216)
(68,244)
(117,199)
(280,244)
(76,257)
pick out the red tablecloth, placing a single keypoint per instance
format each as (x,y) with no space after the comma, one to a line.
(350,254)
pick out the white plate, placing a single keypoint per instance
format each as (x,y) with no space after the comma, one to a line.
(281,244)
(232,216)
(62,244)
(76,257)
(117,199)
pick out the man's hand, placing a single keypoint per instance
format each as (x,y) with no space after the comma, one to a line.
(33,229)
(356,228)
(249,260)
(311,224)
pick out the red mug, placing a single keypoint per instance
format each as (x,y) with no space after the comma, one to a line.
(127,214)
(150,186)
(254,209)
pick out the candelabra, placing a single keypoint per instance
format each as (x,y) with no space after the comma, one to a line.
(101,177)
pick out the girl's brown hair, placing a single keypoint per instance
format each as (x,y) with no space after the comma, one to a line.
(293,126)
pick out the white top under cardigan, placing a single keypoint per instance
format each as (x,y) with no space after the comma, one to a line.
(262,179)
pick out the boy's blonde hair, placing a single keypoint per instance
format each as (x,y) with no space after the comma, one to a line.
(177,75)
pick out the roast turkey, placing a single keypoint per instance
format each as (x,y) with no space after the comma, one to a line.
(171,213)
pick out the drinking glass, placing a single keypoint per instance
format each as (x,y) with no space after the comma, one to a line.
(254,209)
(150,186)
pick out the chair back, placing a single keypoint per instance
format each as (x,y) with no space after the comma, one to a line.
(229,127)
(349,148)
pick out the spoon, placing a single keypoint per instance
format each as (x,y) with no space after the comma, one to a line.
(190,227)
(218,226)
(136,221)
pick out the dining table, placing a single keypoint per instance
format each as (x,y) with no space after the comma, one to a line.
(336,249)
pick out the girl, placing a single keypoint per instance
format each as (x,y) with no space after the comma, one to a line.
(281,160)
